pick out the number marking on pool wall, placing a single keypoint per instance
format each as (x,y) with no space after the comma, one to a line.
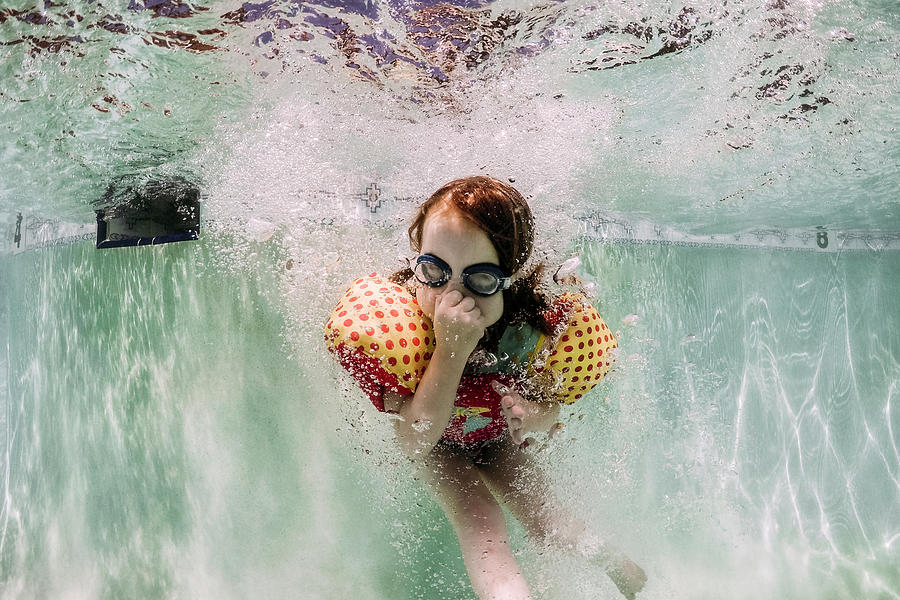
(821,238)
(618,229)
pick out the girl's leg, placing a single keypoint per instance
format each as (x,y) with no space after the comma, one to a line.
(514,477)
(479,523)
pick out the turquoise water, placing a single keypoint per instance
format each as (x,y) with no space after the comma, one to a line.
(172,427)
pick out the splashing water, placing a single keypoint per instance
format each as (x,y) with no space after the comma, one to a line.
(172,426)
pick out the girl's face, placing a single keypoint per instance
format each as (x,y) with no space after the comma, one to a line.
(458,242)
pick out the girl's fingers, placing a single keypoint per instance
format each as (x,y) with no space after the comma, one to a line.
(466,304)
(451,298)
(513,410)
(504,391)
(457,308)
(499,388)
(514,417)
(476,316)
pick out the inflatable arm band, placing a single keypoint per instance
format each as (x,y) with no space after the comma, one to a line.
(379,335)
(581,353)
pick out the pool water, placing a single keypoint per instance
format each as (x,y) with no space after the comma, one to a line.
(171,425)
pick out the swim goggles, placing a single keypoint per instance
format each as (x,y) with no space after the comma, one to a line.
(483,279)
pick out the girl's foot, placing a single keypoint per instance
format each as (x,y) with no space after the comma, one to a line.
(627,576)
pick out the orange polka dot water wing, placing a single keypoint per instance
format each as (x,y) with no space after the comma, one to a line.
(379,335)
(582,355)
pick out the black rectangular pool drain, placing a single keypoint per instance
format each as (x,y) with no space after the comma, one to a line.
(160,213)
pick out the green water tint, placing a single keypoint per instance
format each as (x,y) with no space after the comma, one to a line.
(173,432)
(161,442)
(764,439)
(173,427)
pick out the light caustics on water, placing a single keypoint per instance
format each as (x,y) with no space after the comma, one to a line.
(725,173)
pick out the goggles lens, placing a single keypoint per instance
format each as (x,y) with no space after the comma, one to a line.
(483,279)
(482,282)
(431,273)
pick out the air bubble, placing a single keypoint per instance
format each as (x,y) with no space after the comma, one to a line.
(568,267)
(260,230)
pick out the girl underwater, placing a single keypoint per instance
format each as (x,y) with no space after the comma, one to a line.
(466,418)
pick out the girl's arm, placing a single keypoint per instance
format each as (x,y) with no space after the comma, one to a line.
(458,326)
(426,414)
